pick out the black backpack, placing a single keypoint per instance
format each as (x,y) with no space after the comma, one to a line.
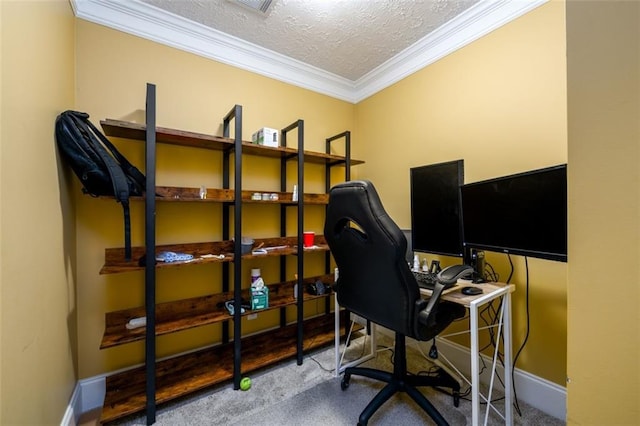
(101,171)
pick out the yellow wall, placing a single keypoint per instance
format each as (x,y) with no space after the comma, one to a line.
(499,104)
(37,307)
(603,43)
(193,94)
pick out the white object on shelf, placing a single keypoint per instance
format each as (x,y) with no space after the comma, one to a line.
(266,136)
(136,323)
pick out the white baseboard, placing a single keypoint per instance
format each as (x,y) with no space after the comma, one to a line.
(72,414)
(537,392)
(87,395)
(542,394)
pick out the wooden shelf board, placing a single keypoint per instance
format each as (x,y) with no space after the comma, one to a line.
(194,312)
(136,131)
(182,194)
(179,376)
(115,260)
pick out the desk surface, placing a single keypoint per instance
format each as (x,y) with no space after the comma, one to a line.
(453,294)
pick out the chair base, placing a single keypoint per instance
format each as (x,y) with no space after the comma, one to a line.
(401,381)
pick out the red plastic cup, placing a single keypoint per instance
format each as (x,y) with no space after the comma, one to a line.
(309,238)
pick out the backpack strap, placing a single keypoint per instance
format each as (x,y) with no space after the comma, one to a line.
(118,177)
(129,169)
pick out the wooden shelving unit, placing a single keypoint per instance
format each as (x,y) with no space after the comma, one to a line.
(140,389)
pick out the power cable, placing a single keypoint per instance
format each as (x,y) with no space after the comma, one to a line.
(526,337)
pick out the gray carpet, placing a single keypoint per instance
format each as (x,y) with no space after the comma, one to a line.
(292,395)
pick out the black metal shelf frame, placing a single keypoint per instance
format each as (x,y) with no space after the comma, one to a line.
(235,116)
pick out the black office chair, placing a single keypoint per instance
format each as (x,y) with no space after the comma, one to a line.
(376,283)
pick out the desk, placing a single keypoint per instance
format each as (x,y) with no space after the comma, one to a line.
(492,291)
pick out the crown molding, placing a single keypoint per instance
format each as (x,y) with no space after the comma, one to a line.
(476,22)
(149,22)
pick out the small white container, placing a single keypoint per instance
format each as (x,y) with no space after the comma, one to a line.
(266,136)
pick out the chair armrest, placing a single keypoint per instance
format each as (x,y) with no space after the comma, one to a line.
(426,314)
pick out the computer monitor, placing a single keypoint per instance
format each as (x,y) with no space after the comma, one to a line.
(523,214)
(436,220)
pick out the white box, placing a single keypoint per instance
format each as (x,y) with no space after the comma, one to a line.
(266,137)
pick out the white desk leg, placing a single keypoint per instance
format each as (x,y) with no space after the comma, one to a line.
(504,328)
(508,366)
(337,334)
(475,365)
(340,367)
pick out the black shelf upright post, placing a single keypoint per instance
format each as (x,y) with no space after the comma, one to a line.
(150,246)
(347,176)
(226,221)
(283,221)
(236,115)
(347,156)
(299,124)
(300,317)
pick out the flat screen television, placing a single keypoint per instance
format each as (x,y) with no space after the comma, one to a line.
(436,220)
(523,214)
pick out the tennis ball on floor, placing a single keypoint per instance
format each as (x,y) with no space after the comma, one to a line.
(245,384)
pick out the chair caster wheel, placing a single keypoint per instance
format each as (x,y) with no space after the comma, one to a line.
(344,384)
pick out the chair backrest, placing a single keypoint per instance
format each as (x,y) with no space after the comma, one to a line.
(374,281)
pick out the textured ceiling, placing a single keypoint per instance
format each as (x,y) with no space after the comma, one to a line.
(347,49)
(348,38)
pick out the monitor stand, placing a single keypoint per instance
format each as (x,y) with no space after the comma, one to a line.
(476,261)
